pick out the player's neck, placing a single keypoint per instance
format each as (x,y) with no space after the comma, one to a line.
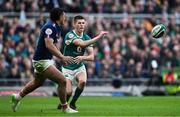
(57,23)
(78,33)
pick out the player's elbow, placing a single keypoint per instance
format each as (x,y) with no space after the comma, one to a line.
(92,58)
(48,46)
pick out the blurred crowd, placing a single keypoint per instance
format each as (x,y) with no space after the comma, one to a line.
(128,51)
(93,6)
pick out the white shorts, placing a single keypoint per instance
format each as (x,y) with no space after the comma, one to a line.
(71,74)
(41,65)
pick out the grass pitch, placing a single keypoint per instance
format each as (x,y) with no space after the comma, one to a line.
(95,106)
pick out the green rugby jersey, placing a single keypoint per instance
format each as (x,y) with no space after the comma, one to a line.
(73,50)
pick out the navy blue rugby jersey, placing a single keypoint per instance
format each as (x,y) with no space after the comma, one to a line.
(51,30)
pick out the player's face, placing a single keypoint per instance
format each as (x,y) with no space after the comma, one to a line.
(80,25)
(62,19)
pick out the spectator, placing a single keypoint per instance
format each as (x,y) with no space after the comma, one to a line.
(93,6)
(41,21)
(22,17)
(14,76)
(170,76)
(3,67)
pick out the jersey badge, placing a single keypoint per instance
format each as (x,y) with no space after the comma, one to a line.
(48,31)
(71,36)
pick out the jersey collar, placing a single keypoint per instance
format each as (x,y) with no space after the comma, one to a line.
(77,35)
(55,24)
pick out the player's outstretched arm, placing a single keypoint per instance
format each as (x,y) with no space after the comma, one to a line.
(53,49)
(82,43)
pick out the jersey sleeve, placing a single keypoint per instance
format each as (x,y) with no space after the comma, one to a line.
(69,38)
(50,32)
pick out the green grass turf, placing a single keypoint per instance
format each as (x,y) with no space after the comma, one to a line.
(96,106)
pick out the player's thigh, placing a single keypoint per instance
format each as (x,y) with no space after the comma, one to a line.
(39,78)
(54,74)
(69,88)
(81,77)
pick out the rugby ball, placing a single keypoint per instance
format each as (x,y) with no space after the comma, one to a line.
(158,31)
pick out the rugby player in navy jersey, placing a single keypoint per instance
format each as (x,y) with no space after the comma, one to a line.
(43,63)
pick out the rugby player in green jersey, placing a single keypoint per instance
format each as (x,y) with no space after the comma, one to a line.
(77,43)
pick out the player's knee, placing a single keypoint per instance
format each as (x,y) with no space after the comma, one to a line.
(82,83)
(63,82)
(69,93)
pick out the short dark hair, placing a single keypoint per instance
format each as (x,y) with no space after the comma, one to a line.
(55,14)
(77,17)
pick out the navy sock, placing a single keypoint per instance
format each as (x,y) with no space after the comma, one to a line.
(68,97)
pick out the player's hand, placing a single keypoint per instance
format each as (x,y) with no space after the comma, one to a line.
(67,60)
(78,59)
(102,33)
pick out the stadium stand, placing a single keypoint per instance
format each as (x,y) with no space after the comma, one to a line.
(129,53)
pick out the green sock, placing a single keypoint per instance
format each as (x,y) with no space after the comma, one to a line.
(76,95)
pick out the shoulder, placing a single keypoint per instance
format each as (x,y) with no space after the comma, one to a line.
(49,30)
(70,35)
(49,27)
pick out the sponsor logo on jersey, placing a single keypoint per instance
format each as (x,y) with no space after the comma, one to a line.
(68,41)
